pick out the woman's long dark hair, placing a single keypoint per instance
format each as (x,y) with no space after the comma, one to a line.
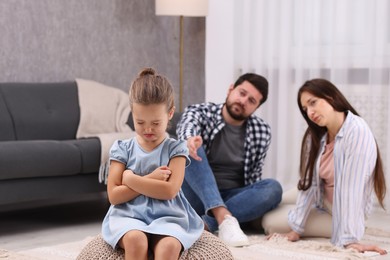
(324,89)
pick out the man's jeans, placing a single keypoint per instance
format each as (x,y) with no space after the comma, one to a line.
(246,204)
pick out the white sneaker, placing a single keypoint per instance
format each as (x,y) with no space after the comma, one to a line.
(231,233)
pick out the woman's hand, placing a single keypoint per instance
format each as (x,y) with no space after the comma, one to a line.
(291,236)
(363,248)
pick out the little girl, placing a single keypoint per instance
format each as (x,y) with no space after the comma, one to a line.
(148,212)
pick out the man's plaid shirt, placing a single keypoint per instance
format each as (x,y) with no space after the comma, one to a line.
(206,120)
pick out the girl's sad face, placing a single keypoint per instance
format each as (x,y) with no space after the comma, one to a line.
(150,123)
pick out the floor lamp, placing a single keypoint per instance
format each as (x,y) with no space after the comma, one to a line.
(181,8)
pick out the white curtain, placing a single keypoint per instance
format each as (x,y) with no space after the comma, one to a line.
(289,42)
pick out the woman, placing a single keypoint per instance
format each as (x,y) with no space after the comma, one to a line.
(340,167)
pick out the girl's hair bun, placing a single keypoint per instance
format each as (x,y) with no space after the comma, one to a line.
(147,71)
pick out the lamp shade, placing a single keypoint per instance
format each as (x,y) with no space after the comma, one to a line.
(182,7)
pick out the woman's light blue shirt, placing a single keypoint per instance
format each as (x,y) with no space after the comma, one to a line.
(355,154)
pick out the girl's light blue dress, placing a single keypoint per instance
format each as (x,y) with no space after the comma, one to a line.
(173,217)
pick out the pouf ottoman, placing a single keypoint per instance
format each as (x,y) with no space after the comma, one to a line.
(207,247)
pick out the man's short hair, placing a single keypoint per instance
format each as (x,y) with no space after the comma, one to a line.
(259,82)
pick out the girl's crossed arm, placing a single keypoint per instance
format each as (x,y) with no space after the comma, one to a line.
(117,192)
(153,186)
(163,183)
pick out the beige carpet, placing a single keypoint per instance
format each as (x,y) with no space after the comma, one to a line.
(276,249)
(308,249)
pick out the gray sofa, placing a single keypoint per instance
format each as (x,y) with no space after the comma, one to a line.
(41,160)
(40,157)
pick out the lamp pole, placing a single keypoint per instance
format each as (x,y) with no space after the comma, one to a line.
(181,8)
(181,65)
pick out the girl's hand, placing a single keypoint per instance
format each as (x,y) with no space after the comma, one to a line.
(363,248)
(291,236)
(162,173)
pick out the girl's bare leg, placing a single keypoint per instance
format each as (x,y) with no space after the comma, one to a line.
(166,247)
(135,244)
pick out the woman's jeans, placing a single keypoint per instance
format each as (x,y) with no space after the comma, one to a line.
(246,204)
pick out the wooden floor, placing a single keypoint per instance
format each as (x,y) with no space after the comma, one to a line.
(51,225)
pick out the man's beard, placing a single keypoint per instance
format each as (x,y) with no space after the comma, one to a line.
(235,116)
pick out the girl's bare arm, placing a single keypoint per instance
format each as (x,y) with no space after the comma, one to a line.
(117,192)
(156,188)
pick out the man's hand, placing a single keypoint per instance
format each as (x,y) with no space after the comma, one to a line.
(363,248)
(193,143)
(291,236)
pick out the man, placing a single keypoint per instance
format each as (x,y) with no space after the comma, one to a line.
(228,145)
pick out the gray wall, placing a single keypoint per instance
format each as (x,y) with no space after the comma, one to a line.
(106,41)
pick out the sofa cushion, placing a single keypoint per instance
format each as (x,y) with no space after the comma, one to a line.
(44,158)
(45,111)
(90,150)
(7,128)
